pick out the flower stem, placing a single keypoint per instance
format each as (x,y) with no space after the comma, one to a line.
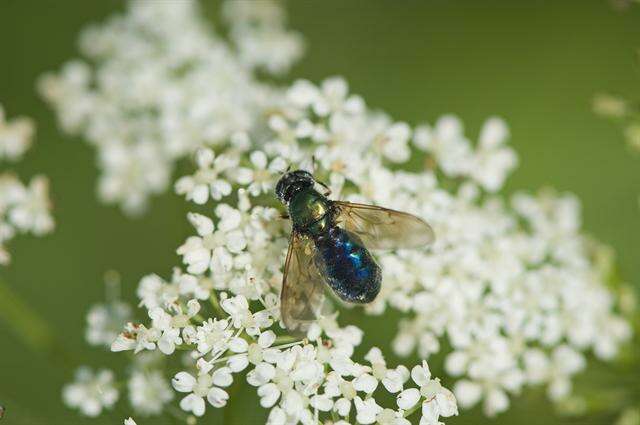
(26,323)
(285,339)
(413,410)
(186,347)
(32,329)
(216,305)
(177,413)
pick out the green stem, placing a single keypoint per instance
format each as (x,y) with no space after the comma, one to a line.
(186,347)
(177,413)
(216,305)
(32,329)
(285,339)
(414,409)
(24,321)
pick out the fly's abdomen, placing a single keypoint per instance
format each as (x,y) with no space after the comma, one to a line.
(349,268)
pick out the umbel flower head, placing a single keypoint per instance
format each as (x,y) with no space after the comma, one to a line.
(510,285)
(157,83)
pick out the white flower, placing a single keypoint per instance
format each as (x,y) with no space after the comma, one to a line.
(262,176)
(366,410)
(493,161)
(260,354)
(408,398)
(105,321)
(333,96)
(91,392)
(23,209)
(260,35)
(392,379)
(15,136)
(169,336)
(213,335)
(149,392)
(131,172)
(213,248)
(467,393)
(208,181)
(199,287)
(395,142)
(447,143)
(342,391)
(31,211)
(129,421)
(438,401)
(205,385)
(391,417)
(556,369)
(241,316)
(136,337)
(152,291)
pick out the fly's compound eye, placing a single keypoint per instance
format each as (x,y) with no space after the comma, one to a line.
(291,183)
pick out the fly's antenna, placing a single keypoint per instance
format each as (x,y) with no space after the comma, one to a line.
(287,170)
(309,164)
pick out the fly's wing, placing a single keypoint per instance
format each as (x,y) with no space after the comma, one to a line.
(302,285)
(382,228)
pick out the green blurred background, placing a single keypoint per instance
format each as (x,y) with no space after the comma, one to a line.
(535,63)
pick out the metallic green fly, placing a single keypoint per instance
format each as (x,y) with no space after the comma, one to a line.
(330,244)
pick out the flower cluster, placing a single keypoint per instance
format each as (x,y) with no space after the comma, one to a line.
(158,83)
(259,34)
(512,286)
(15,136)
(623,111)
(299,381)
(105,321)
(24,208)
(91,392)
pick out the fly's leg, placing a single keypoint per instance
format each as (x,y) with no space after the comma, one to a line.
(327,188)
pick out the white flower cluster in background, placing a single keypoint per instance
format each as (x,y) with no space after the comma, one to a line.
(24,208)
(15,136)
(511,285)
(91,392)
(622,110)
(157,82)
(105,321)
(260,37)
(626,113)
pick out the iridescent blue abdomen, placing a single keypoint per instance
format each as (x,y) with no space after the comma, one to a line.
(349,268)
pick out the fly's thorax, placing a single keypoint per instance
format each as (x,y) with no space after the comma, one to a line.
(321,226)
(308,210)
